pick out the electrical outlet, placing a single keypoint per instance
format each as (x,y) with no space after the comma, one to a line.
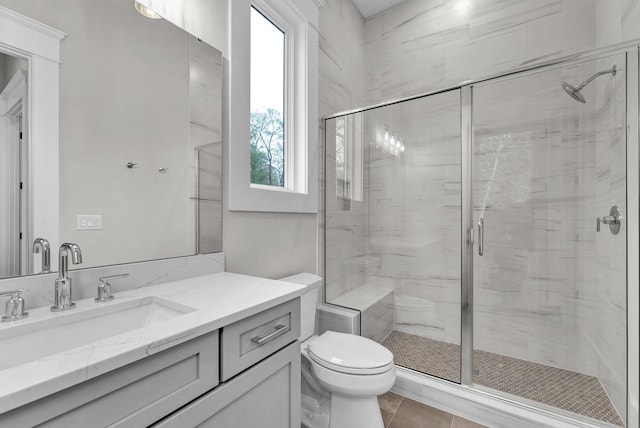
(88,222)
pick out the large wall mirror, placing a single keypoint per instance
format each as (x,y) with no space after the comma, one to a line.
(138,167)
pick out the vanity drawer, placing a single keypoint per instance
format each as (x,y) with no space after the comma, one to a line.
(252,339)
(132,396)
(265,396)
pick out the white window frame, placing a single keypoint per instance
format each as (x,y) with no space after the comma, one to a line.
(299,21)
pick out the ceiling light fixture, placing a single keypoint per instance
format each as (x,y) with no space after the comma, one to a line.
(145,11)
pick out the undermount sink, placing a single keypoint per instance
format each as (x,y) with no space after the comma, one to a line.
(23,343)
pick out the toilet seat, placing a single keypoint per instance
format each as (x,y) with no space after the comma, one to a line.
(350,354)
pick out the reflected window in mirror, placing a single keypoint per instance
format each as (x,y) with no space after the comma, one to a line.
(349,158)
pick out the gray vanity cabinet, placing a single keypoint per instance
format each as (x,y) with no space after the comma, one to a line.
(260,371)
(266,396)
(135,395)
(244,375)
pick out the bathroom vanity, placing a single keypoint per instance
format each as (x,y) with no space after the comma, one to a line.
(205,351)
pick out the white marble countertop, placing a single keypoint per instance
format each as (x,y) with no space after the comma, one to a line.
(218,299)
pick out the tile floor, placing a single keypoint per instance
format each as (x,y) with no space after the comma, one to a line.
(402,412)
(564,389)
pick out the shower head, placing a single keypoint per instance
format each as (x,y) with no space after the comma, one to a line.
(574,91)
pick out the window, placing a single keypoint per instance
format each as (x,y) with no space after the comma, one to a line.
(267,120)
(349,147)
(273,106)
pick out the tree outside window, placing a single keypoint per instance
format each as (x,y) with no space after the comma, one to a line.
(267,130)
(267,147)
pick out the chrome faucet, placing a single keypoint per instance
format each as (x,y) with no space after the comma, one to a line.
(62,292)
(104,288)
(15,306)
(41,244)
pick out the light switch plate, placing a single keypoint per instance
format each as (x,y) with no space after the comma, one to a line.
(88,222)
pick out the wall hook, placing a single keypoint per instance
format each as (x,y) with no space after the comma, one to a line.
(131,165)
(163,170)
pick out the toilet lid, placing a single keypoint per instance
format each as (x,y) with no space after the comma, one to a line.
(348,353)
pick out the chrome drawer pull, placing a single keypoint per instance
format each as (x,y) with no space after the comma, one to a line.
(279,331)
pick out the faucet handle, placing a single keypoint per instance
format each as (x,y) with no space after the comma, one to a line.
(104,287)
(15,306)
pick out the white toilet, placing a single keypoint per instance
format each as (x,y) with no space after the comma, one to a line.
(342,374)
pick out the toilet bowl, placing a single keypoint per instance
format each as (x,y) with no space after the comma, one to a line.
(342,374)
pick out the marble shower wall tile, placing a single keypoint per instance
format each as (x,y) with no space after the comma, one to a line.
(549,289)
(341,58)
(609,22)
(405,233)
(345,232)
(543,293)
(209,202)
(420,46)
(529,162)
(205,131)
(341,87)
(210,172)
(414,213)
(607,297)
(205,85)
(617,21)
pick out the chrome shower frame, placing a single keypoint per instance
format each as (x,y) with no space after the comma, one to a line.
(466,392)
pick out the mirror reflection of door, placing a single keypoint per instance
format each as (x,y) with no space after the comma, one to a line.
(14,239)
(26,237)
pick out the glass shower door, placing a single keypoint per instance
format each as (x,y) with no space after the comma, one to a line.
(549,264)
(393,227)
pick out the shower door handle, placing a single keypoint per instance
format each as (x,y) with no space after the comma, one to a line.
(481,237)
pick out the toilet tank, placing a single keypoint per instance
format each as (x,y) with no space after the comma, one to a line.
(308,301)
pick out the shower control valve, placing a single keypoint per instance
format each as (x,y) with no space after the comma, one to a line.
(613,220)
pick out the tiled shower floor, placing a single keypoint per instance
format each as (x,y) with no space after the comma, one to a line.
(564,389)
